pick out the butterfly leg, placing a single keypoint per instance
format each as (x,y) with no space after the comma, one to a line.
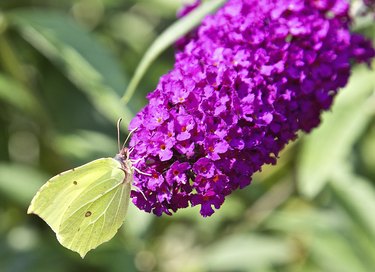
(140,191)
(140,172)
(136,161)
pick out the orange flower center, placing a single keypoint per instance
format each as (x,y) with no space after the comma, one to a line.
(206,197)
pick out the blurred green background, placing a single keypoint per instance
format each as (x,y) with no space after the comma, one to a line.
(64,66)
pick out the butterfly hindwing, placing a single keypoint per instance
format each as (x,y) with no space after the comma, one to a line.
(96,216)
(85,206)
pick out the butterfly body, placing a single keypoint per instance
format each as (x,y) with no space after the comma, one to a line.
(85,206)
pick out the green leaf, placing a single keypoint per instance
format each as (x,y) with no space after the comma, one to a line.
(332,142)
(365,245)
(328,236)
(333,252)
(246,252)
(84,144)
(14,94)
(79,55)
(166,39)
(357,196)
(303,219)
(19,182)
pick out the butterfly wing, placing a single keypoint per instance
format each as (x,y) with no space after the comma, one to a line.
(85,206)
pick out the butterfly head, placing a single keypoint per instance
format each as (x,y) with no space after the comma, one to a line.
(123,158)
(123,155)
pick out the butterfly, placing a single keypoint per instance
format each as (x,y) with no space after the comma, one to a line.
(85,206)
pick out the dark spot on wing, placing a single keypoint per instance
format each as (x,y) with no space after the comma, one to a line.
(88,213)
(75,182)
(73,169)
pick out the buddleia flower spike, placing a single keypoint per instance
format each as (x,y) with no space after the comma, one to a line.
(243,85)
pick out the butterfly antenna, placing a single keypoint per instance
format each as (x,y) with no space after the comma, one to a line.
(118,133)
(127,138)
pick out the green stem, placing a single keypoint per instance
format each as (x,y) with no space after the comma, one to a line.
(10,61)
(167,38)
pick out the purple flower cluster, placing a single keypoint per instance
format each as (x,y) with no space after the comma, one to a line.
(243,85)
(369,3)
(369,7)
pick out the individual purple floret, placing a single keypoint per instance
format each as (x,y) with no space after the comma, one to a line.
(243,85)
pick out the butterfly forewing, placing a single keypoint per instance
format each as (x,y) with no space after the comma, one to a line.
(85,206)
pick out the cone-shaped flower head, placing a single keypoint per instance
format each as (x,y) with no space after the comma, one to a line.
(243,85)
